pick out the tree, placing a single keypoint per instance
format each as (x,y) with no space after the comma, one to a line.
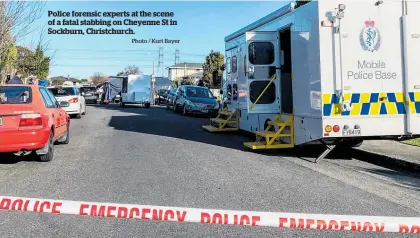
(8,61)
(98,78)
(16,20)
(33,62)
(24,62)
(132,69)
(41,63)
(214,62)
(120,73)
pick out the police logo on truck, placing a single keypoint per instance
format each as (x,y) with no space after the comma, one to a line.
(370,38)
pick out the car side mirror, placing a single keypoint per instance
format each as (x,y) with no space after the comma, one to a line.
(64,104)
(83,93)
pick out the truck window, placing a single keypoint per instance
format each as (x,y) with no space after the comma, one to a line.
(234,64)
(228,66)
(261,53)
(255,89)
(235,92)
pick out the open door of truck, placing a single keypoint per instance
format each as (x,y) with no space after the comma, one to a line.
(261,65)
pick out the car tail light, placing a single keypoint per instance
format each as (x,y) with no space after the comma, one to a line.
(336,128)
(73,100)
(32,119)
(328,128)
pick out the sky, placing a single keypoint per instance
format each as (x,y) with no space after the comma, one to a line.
(201,28)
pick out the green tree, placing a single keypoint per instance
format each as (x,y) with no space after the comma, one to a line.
(120,73)
(214,62)
(41,63)
(8,61)
(24,62)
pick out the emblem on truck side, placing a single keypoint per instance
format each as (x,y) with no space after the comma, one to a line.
(370,38)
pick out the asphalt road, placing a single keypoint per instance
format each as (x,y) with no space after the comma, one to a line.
(156,157)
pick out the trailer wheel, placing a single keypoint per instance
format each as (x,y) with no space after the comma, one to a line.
(122,104)
(147,105)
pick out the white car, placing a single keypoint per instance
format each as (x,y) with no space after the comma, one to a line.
(72,95)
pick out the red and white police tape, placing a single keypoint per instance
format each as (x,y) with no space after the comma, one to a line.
(212,216)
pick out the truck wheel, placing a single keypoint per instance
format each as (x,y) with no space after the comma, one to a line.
(50,154)
(147,105)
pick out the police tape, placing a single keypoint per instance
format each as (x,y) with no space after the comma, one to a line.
(212,216)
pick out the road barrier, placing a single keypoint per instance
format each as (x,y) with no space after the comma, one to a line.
(212,216)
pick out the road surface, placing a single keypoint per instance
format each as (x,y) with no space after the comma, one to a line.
(156,157)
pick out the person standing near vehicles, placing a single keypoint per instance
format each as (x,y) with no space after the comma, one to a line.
(16,79)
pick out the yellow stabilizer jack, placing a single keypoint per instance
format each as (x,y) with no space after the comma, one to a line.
(225,121)
(270,136)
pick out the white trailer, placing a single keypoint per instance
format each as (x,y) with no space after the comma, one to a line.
(330,71)
(134,89)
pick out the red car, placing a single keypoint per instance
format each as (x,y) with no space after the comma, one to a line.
(31,121)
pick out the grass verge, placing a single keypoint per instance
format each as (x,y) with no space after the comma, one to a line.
(415,142)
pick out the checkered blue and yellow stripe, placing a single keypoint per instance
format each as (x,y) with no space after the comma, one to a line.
(372,104)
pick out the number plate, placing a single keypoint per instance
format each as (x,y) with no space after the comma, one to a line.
(352,132)
(1,121)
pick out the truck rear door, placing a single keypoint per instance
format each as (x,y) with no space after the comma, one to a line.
(411,51)
(373,78)
(262,61)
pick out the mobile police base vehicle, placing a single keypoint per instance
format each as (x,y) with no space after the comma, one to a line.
(326,72)
(135,89)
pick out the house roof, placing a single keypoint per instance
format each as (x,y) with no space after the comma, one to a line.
(188,65)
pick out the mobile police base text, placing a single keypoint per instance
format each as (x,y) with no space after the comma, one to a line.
(365,71)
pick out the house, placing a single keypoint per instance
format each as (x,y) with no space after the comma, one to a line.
(181,70)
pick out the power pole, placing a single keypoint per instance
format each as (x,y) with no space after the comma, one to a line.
(176,56)
(160,62)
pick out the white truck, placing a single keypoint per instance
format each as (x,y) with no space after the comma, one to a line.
(329,71)
(134,89)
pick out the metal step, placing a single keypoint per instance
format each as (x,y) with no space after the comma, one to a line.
(220,120)
(226,113)
(262,145)
(216,129)
(270,134)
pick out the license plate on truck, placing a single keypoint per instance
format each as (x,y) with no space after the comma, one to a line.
(352,132)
